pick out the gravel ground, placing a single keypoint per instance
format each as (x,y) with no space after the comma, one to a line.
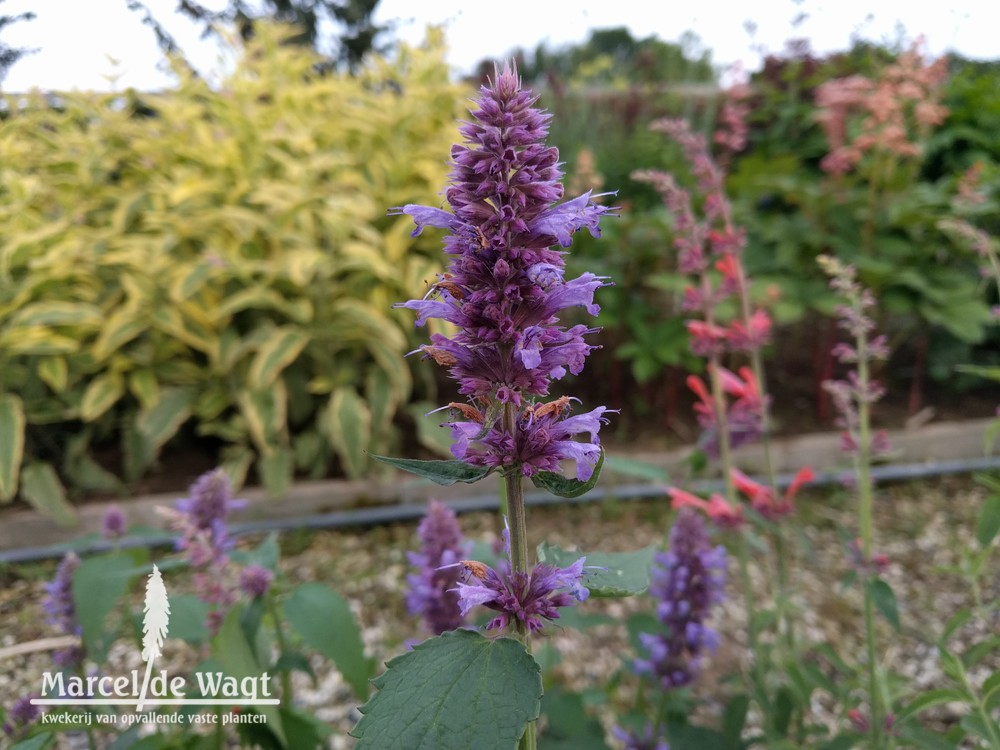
(923,528)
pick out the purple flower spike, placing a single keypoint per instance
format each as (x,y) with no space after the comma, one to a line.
(207,508)
(687,581)
(61,610)
(255,580)
(528,599)
(432,588)
(113,523)
(23,713)
(505,285)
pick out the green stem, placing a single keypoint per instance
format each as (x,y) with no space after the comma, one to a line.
(517,520)
(867,523)
(757,367)
(286,677)
(984,714)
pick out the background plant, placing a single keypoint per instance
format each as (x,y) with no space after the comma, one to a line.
(213,265)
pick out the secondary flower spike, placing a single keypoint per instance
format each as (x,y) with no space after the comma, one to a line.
(687,581)
(527,598)
(432,593)
(505,286)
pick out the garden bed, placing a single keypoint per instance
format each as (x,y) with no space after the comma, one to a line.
(923,528)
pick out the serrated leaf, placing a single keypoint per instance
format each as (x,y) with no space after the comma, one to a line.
(606,574)
(99,586)
(441,472)
(453,692)
(11,444)
(277,353)
(989,521)
(324,620)
(102,393)
(41,487)
(885,601)
(562,486)
(347,425)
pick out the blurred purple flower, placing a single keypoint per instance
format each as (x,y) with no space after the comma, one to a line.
(432,588)
(201,519)
(113,523)
(648,740)
(61,611)
(523,599)
(255,580)
(23,713)
(687,581)
(505,285)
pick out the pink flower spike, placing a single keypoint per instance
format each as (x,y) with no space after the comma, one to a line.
(716,507)
(804,476)
(755,492)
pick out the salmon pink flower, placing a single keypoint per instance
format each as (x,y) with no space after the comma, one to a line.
(762,498)
(717,508)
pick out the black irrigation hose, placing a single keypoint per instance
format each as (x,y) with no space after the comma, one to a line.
(372,516)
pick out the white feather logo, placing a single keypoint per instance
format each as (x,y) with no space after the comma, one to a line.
(156,614)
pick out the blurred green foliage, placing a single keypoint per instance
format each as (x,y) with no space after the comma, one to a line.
(216,264)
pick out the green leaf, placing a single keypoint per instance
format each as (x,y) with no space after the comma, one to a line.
(568,726)
(325,621)
(275,470)
(293,661)
(347,425)
(928,700)
(99,585)
(734,717)
(159,424)
(441,472)
(989,521)
(237,658)
(142,384)
(278,352)
(606,573)
(189,619)
(885,600)
(562,486)
(11,443)
(453,692)
(638,469)
(41,487)
(101,394)
(54,373)
(38,742)
(430,433)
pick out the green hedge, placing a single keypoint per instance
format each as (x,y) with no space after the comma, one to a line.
(218,259)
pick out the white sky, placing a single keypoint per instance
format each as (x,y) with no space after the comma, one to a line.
(77,39)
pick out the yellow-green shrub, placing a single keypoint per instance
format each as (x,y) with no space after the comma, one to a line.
(220,257)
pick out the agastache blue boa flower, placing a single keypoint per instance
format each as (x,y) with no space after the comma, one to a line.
(505,287)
